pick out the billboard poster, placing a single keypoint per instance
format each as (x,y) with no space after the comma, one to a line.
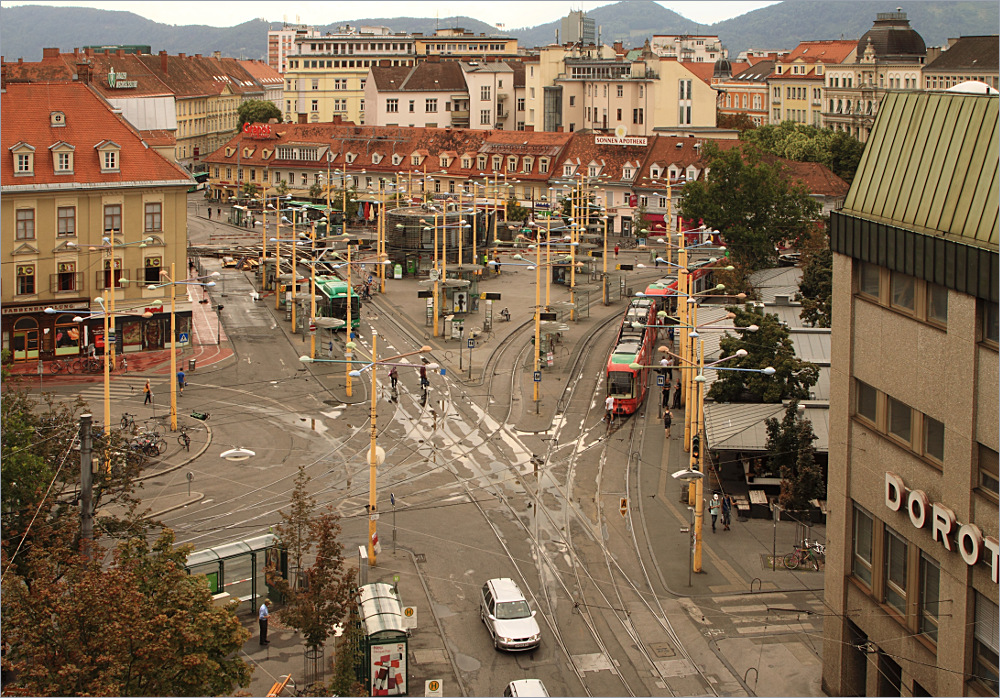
(388,669)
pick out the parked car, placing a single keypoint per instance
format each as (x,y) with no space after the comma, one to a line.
(506,614)
(526,687)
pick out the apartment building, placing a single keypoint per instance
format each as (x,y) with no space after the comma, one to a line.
(76,179)
(428,94)
(326,74)
(747,92)
(457,44)
(281,43)
(496,95)
(889,56)
(268,78)
(912,549)
(688,48)
(798,79)
(967,58)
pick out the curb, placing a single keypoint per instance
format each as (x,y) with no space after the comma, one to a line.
(173,468)
(193,500)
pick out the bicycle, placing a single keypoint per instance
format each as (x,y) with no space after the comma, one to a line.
(128,423)
(183,439)
(809,552)
(155,430)
(60,365)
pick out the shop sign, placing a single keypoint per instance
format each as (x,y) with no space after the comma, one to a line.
(616,140)
(967,538)
(120,81)
(257,130)
(25,309)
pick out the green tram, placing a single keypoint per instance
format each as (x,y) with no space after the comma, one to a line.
(331,300)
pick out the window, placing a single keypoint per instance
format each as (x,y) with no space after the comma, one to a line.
(933,439)
(64,162)
(154,217)
(413,106)
(392,106)
(867,405)
(110,160)
(937,304)
(66,221)
(291,178)
(572,100)
(621,90)
(24,163)
(862,564)
(684,89)
(543,166)
(900,418)
(484,117)
(895,571)
(868,282)
(512,163)
(25,279)
(315,83)
(990,319)
(314,105)
(112,218)
(25,224)
(431,105)
(901,291)
(520,103)
(484,93)
(930,579)
(985,645)
(117,274)
(988,478)
(66,276)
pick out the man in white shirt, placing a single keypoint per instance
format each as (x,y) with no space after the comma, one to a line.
(609,405)
(262,620)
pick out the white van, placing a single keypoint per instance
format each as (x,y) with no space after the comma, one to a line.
(525,687)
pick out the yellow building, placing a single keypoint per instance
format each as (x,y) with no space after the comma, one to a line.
(798,80)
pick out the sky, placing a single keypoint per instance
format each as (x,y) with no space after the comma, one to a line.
(511,14)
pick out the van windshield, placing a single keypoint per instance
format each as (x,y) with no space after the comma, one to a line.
(513,609)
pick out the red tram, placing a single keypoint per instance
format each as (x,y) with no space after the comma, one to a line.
(635,345)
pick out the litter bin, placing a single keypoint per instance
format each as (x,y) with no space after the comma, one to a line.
(191,363)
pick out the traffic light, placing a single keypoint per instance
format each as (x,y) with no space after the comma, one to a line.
(695,446)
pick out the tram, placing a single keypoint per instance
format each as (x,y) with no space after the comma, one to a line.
(635,345)
(331,300)
(664,291)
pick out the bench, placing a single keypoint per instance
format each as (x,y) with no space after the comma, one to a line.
(279,686)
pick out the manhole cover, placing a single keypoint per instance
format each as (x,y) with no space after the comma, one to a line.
(420,557)
(662,649)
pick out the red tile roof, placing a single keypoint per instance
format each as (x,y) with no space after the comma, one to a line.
(25,110)
(705,70)
(263,73)
(827,51)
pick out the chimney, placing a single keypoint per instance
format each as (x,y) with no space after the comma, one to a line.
(182,56)
(3,74)
(88,52)
(217,55)
(83,72)
(76,52)
(163,61)
(50,54)
(120,52)
(197,55)
(619,48)
(559,129)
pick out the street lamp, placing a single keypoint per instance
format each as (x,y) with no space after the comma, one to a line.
(375,454)
(173,332)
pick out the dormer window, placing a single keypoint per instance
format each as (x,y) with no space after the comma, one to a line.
(654,172)
(443,161)
(527,162)
(57,118)
(397,158)
(64,163)
(109,154)
(497,163)
(24,159)
(414,159)
(628,173)
(567,170)
(543,166)
(481,162)
(466,163)
(512,163)
(592,172)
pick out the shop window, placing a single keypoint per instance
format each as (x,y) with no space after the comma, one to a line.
(862,563)
(25,224)
(868,281)
(152,269)
(937,304)
(988,479)
(154,217)
(894,570)
(25,279)
(112,218)
(930,582)
(867,402)
(901,291)
(900,419)
(985,645)
(66,221)
(933,439)
(67,334)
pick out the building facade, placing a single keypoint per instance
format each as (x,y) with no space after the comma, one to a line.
(747,92)
(460,45)
(689,48)
(797,82)
(268,78)
(577,28)
(87,210)
(281,42)
(968,58)
(912,549)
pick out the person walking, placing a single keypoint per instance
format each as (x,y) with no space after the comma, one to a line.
(148,392)
(677,394)
(262,617)
(423,378)
(496,261)
(209,213)
(393,377)
(616,251)
(665,397)
(667,419)
(609,406)
(727,510)
(670,335)
(180,381)
(713,508)
(670,368)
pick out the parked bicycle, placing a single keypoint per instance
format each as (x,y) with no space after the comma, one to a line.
(149,445)
(128,423)
(814,553)
(60,365)
(183,439)
(88,364)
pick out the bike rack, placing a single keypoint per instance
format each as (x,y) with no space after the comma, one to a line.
(759,585)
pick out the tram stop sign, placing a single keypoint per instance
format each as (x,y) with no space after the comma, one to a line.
(660,378)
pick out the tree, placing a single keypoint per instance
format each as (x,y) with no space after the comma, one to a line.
(515,211)
(838,150)
(816,289)
(739,122)
(249,190)
(751,201)
(316,190)
(790,453)
(141,626)
(257,111)
(769,346)
(281,188)
(319,595)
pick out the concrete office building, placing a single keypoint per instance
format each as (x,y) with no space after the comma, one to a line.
(911,578)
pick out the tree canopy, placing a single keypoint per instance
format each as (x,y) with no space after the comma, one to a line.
(751,201)
(768,346)
(257,111)
(816,288)
(791,454)
(837,150)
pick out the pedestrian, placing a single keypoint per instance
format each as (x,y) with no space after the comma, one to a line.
(393,377)
(180,381)
(423,378)
(148,392)
(665,397)
(262,616)
(727,510)
(609,406)
(713,509)
(219,212)
(496,261)
(616,251)
(677,394)
(209,213)
(667,419)
(664,369)
(670,368)
(670,335)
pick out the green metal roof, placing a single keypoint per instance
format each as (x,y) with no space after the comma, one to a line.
(931,165)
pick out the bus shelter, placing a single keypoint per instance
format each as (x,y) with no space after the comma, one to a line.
(385,639)
(236,570)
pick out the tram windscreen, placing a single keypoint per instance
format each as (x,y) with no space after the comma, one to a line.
(620,384)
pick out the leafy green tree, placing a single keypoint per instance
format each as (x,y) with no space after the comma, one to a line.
(752,201)
(768,346)
(316,190)
(318,596)
(739,122)
(249,189)
(816,289)
(348,660)
(257,111)
(141,626)
(281,188)
(791,454)
(515,211)
(837,150)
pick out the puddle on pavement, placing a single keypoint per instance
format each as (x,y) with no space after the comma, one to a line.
(467,663)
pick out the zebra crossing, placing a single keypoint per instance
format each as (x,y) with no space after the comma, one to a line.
(768,614)
(125,391)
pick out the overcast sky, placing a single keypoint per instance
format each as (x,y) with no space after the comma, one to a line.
(513,14)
